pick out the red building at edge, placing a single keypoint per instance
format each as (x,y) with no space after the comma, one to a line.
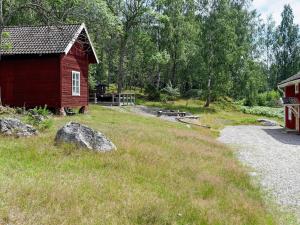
(291,101)
(46,65)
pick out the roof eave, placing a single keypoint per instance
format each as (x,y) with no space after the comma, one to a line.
(288,83)
(78,32)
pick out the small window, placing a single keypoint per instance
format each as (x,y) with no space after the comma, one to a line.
(75,83)
(297,88)
(289,113)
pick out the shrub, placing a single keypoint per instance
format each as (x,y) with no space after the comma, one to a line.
(152,93)
(43,111)
(39,117)
(112,88)
(193,93)
(172,92)
(164,98)
(269,98)
(263,111)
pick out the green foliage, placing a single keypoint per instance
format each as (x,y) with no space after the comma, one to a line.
(5,35)
(5,43)
(161,58)
(43,111)
(263,111)
(112,88)
(193,93)
(220,48)
(171,92)
(152,93)
(269,98)
(39,117)
(287,48)
(92,82)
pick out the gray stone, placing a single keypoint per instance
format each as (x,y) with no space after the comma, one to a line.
(84,137)
(267,122)
(14,127)
(39,118)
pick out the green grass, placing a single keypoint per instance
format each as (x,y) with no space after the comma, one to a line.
(218,115)
(162,173)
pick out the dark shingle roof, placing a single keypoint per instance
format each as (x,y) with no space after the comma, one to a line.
(39,39)
(292,78)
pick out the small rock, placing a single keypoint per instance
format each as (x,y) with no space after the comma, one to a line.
(268,123)
(32,112)
(39,118)
(84,137)
(10,126)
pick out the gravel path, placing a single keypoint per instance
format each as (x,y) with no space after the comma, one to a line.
(275,158)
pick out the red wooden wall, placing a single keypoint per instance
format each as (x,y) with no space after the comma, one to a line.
(290,92)
(75,60)
(30,81)
(45,80)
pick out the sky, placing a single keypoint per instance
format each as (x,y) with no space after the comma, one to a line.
(275,7)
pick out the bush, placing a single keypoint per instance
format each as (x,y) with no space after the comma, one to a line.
(193,93)
(43,111)
(269,98)
(112,88)
(39,117)
(164,98)
(263,111)
(152,93)
(171,92)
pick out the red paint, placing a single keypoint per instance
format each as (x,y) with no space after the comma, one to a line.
(33,80)
(76,60)
(290,124)
(290,92)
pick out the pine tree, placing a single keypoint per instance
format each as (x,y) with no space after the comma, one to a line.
(287,46)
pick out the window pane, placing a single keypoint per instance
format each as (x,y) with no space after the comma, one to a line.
(75,83)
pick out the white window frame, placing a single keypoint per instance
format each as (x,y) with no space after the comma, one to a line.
(75,83)
(297,88)
(290,114)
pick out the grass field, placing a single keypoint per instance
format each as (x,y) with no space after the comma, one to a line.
(162,173)
(217,116)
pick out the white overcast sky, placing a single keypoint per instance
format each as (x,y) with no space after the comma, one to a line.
(275,7)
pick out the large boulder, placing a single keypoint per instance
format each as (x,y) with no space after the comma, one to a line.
(14,127)
(84,137)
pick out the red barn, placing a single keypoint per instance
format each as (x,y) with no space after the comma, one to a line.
(46,65)
(291,101)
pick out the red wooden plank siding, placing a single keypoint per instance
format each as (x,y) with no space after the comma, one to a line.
(290,124)
(30,81)
(290,92)
(75,60)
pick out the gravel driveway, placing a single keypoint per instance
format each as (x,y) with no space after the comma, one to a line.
(274,157)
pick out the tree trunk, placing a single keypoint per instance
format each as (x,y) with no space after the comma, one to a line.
(122,53)
(174,69)
(208,97)
(110,69)
(158,78)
